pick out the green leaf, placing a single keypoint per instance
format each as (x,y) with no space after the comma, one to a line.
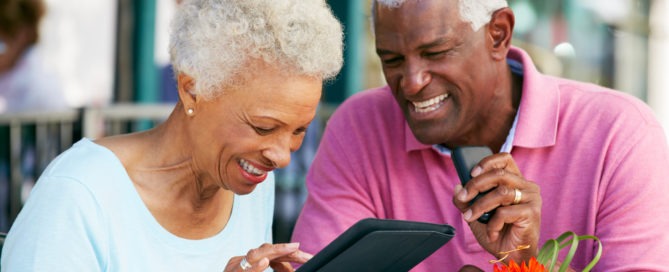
(549,253)
(599,251)
(551,249)
(571,239)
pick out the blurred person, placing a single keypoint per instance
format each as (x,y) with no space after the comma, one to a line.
(26,83)
(196,193)
(570,156)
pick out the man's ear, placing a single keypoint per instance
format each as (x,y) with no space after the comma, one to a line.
(500,32)
(186,89)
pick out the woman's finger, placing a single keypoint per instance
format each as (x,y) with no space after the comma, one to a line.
(271,251)
(298,256)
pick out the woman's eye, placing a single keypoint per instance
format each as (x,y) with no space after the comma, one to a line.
(300,131)
(263,131)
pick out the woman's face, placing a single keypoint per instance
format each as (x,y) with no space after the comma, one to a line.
(251,129)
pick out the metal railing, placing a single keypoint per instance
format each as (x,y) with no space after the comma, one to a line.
(41,136)
(47,127)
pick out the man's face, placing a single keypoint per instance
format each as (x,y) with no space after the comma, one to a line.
(440,70)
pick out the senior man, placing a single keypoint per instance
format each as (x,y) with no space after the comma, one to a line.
(569,156)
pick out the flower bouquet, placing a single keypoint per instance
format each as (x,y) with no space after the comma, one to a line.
(547,259)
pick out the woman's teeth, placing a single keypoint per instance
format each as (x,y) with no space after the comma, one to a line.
(430,104)
(250,169)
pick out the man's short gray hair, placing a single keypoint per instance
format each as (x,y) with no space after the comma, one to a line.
(476,12)
(216,41)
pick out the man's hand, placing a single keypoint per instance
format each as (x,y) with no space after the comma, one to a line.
(517,220)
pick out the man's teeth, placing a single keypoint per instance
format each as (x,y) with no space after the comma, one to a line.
(431,104)
(250,169)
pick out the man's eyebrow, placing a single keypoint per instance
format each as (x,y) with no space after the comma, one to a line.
(382,51)
(434,43)
(437,42)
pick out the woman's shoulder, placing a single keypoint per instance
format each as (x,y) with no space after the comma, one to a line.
(90,164)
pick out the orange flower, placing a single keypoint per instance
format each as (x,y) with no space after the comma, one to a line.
(534,266)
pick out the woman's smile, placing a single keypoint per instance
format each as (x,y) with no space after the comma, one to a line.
(252,172)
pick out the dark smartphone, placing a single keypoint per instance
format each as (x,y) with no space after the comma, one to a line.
(465,158)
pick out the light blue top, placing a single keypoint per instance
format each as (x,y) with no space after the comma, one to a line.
(84,214)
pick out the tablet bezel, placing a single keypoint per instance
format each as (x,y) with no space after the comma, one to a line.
(365,227)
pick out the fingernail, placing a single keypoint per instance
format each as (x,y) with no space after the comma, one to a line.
(462,195)
(301,256)
(293,245)
(457,188)
(476,171)
(467,215)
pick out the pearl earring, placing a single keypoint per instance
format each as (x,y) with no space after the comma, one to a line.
(190,111)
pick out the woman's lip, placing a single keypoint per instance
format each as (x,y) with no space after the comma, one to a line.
(259,166)
(250,177)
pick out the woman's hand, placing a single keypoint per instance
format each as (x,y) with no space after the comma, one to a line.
(517,220)
(278,256)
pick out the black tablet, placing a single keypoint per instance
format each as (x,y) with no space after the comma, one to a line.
(380,245)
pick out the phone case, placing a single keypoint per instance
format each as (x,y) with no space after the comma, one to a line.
(380,245)
(464,159)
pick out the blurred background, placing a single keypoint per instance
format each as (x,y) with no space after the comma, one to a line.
(101,67)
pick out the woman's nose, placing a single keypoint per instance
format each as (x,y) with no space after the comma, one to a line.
(278,153)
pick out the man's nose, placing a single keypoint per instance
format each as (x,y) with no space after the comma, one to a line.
(416,77)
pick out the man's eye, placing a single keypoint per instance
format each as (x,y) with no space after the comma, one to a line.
(435,54)
(392,61)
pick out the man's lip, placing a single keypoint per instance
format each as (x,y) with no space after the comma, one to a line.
(423,116)
(442,97)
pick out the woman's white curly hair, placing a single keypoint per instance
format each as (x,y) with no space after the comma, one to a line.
(476,12)
(216,41)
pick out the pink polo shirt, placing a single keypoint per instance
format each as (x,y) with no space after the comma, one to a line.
(599,156)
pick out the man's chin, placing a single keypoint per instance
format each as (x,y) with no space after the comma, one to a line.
(429,141)
(427,137)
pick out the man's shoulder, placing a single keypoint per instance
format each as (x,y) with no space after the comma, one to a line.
(594,99)
(380,97)
(372,105)
(368,116)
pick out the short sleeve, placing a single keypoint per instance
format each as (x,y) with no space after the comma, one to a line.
(60,228)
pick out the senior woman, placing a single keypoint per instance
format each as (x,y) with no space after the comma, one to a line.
(196,192)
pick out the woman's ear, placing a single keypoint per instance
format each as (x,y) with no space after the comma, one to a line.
(500,32)
(186,89)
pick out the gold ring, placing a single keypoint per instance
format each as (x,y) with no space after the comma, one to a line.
(518,197)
